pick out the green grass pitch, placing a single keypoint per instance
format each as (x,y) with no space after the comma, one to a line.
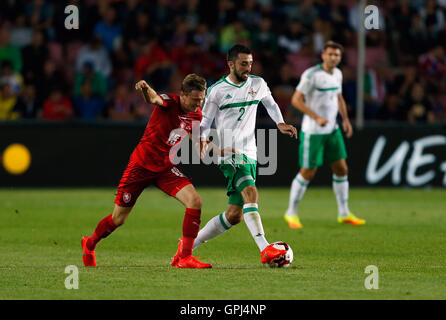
(40,232)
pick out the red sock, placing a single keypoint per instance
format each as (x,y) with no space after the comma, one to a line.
(105,227)
(191,226)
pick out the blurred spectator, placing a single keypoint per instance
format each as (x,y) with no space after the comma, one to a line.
(190,59)
(52,77)
(153,64)
(95,53)
(121,107)
(305,12)
(179,36)
(249,14)
(203,37)
(432,16)
(292,39)
(8,102)
(404,82)
(392,109)
(401,17)
(375,89)
(416,35)
(190,12)
(284,90)
(349,87)
(34,56)
(420,109)
(27,105)
(97,82)
(109,30)
(321,34)
(9,52)
(264,40)
(57,106)
(433,67)
(14,79)
(137,32)
(40,14)
(230,35)
(21,33)
(86,105)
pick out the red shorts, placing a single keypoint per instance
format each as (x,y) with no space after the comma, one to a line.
(136,178)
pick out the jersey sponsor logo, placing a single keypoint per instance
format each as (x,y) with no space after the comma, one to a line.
(164,96)
(173,138)
(126,197)
(228,96)
(177,172)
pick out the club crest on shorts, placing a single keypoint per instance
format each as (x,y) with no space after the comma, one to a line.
(126,197)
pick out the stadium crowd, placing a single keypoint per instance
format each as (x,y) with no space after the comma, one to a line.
(50,72)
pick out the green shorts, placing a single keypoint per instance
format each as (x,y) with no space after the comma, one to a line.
(316,150)
(240,172)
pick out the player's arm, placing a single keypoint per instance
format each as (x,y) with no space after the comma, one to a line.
(150,95)
(298,102)
(276,115)
(346,125)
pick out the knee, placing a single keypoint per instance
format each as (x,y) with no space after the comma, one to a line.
(194,202)
(250,194)
(341,171)
(120,216)
(235,217)
(308,174)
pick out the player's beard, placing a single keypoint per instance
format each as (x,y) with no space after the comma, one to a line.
(238,76)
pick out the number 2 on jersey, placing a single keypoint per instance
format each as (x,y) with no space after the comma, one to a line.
(242,110)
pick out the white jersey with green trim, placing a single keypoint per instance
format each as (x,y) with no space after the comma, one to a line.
(321,90)
(234,108)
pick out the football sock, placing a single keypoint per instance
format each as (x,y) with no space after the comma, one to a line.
(216,226)
(191,226)
(104,228)
(340,188)
(298,188)
(254,223)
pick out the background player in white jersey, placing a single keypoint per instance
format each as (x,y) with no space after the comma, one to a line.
(319,96)
(232,102)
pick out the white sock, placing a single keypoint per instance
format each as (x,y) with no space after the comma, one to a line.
(216,226)
(340,188)
(298,188)
(254,223)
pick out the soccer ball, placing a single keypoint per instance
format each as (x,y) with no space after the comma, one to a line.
(285,261)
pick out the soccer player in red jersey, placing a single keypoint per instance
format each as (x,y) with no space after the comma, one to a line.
(150,165)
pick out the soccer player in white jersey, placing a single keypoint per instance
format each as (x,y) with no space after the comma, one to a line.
(319,96)
(232,102)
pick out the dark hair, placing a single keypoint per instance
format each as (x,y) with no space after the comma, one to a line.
(333,45)
(193,82)
(235,50)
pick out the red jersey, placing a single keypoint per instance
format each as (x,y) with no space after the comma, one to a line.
(153,149)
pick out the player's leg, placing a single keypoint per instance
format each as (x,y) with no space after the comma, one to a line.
(104,228)
(336,155)
(310,157)
(253,221)
(297,191)
(341,191)
(133,182)
(176,184)
(219,224)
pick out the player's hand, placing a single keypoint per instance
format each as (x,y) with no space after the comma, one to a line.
(321,121)
(203,148)
(348,129)
(141,85)
(228,151)
(287,129)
